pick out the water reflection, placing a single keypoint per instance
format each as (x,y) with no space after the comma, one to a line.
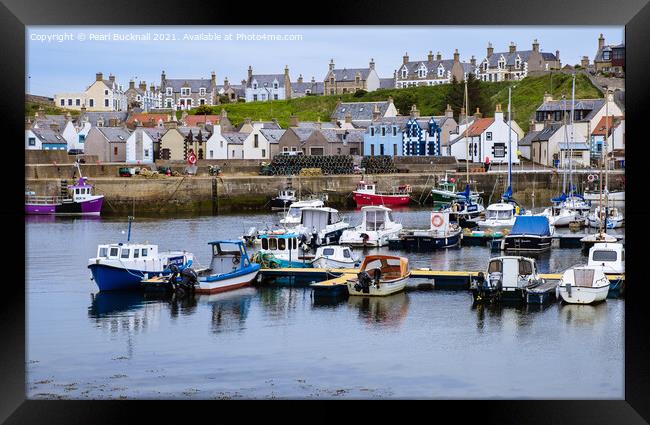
(229,310)
(580,315)
(386,311)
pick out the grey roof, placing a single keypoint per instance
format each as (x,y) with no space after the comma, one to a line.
(546,133)
(110,84)
(94,116)
(234,138)
(318,88)
(115,134)
(619,99)
(599,52)
(47,135)
(592,105)
(185,131)
(349,74)
(267,79)
(271,125)
(359,110)
(431,67)
(336,136)
(46,120)
(528,138)
(154,132)
(312,124)
(272,135)
(510,58)
(386,83)
(303,133)
(194,84)
(580,146)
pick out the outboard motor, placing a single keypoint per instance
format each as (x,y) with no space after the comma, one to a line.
(314,239)
(189,280)
(363,285)
(174,274)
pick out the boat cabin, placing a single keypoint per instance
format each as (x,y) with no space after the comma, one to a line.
(513,271)
(228,256)
(391,267)
(335,251)
(609,256)
(287,194)
(367,188)
(285,246)
(80,191)
(128,251)
(376,218)
(294,213)
(500,211)
(319,218)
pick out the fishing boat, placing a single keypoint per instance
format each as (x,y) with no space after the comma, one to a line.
(377,226)
(121,266)
(293,215)
(583,285)
(529,234)
(285,198)
(284,250)
(506,279)
(380,275)
(599,237)
(77,199)
(366,194)
(321,226)
(229,269)
(446,192)
(560,216)
(334,257)
(614,219)
(441,234)
(613,196)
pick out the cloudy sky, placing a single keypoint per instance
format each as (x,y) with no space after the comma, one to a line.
(61,59)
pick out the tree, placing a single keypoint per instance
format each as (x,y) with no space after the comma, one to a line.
(203,110)
(455,96)
(403,100)
(359,93)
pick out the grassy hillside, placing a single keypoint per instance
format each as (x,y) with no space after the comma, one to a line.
(31,107)
(430,100)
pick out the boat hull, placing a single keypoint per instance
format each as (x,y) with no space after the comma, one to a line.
(527,243)
(362,199)
(386,288)
(329,263)
(109,278)
(278,204)
(89,207)
(222,283)
(583,295)
(425,243)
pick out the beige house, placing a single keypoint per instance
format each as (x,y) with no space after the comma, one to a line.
(101,95)
(177,143)
(339,81)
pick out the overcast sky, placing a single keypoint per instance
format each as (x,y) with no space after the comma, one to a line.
(61,59)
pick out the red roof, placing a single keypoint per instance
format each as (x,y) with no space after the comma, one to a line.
(194,120)
(479,126)
(610,122)
(145,118)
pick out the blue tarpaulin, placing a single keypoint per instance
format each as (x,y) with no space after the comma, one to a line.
(531,225)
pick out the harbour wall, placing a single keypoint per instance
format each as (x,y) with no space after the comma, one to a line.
(214,195)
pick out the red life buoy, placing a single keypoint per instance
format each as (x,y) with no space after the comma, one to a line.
(436,220)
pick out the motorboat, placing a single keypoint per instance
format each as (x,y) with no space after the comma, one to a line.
(380,275)
(507,278)
(614,219)
(614,196)
(285,198)
(321,226)
(366,194)
(441,234)
(608,256)
(283,250)
(334,257)
(377,226)
(292,217)
(446,192)
(121,266)
(583,285)
(559,217)
(529,234)
(498,217)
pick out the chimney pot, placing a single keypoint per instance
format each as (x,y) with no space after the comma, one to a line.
(438,56)
(99,76)
(405,58)
(430,56)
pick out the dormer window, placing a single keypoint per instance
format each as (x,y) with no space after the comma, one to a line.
(185,91)
(606,55)
(502,62)
(275,85)
(169,91)
(518,62)
(422,72)
(254,85)
(441,71)
(404,72)
(202,91)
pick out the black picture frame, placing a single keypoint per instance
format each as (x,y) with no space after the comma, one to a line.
(635,15)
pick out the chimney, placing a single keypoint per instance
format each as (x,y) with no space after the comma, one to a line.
(28,124)
(286,70)
(376,113)
(243,82)
(300,79)
(461,116)
(143,85)
(313,80)
(113,122)
(348,118)
(414,111)
(331,64)
(490,49)
(584,62)
(601,42)
(456,55)
(513,47)
(131,84)
(547,97)
(54,126)
(405,58)
(372,63)
(162,79)
(535,46)
(449,113)
(293,121)
(473,61)
(111,78)
(477,114)
(438,56)
(498,113)
(250,72)
(430,56)
(99,76)
(557,55)
(226,84)
(213,78)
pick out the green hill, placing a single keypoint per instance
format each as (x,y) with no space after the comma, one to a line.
(430,100)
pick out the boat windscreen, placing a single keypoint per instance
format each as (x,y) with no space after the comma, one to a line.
(583,277)
(495,266)
(601,255)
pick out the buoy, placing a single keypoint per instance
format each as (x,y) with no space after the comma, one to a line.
(436,220)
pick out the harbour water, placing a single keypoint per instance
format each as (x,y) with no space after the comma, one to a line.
(278,342)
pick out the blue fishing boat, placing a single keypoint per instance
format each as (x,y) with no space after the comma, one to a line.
(121,266)
(530,233)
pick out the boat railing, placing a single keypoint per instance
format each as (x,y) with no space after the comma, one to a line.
(42,199)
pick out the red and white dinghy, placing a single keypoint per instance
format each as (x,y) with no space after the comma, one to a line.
(366,194)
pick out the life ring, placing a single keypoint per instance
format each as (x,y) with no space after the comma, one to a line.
(191,158)
(591,177)
(436,220)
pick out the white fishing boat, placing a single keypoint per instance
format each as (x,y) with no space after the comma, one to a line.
(583,285)
(498,217)
(334,257)
(507,278)
(285,198)
(614,219)
(380,275)
(321,226)
(285,250)
(559,217)
(615,196)
(609,257)
(293,215)
(377,226)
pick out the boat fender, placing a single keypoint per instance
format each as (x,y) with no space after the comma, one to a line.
(568,289)
(377,277)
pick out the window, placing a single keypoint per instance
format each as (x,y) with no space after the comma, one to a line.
(275,85)
(346,253)
(265,243)
(394,150)
(499,150)
(264,153)
(169,91)
(103,252)
(136,253)
(525,268)
(106,92)
(338,151)
(82,138)
(106,103)
(62,102)
(221,143)
(254,85)
(146,153)
(115,150)
(394,131)
(69,102)
(77,102)
(32,141)
(256,141)
(488,136)
(202,91)
(185,91)
(383,131)
(254,98)
(125,253)
(441,71)
(404,73)
(169,103)
(606,56)
(282,244)
(202,101)
(372,131)
(114,252)
(273,244)
(285,149)
(275,97)
(211,154)
(372,150)
(233,153)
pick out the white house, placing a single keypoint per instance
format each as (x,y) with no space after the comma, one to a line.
(256,146)
(487,138)
(44,139)
(139,147)
(101,95)
(263,87)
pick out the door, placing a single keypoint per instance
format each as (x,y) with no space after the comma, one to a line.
(510,272)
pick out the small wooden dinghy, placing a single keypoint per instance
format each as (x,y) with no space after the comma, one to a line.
(380,275)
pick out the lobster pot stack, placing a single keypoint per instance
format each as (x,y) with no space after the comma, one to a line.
(284,165)
(378,164)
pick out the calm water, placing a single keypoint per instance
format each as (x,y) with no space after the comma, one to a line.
(271,342)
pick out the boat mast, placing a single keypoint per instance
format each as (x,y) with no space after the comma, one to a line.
(466,102)
(566,146)
(600,180)
(128,236)
(509,141)
(573,98)
(606,148)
